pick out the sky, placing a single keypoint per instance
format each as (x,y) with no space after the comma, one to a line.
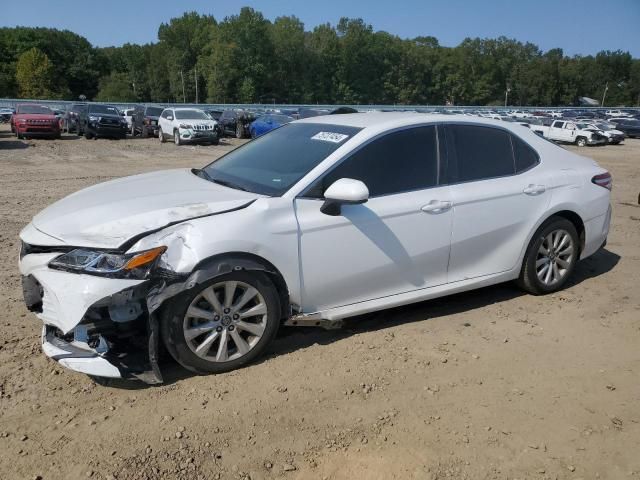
(577,26)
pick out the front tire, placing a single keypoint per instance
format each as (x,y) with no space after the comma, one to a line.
(161,136)
(550,258)
(581,142)
(239,130)
(222,324)
(176,137)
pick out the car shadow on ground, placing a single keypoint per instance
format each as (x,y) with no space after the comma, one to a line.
(290,339)
(13,145)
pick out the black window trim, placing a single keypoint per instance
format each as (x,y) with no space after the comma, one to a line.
(495,127)
(304,193)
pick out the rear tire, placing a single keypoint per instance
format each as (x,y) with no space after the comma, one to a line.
(550,258)
(252,332)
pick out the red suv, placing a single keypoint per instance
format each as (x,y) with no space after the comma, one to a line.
(35,121)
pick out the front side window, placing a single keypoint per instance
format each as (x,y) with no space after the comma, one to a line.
(478,152)
(398,162)
(273,163)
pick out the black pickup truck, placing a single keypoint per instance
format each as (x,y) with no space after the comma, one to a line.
(99,120)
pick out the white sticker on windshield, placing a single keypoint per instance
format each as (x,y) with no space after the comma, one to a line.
(329,137)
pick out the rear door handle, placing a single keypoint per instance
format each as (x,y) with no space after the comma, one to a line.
(436,206)
(532,189)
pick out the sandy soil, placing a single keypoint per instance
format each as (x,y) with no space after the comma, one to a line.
(492,384)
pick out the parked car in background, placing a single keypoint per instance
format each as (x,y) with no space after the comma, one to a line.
(569,131)
(144,121)
(71,118)
(5,114)
(614,136)
(266,123)
(630,126)
(128,116)
(616,113)
(214,114)
(32,120)
(235,123)
(187,125)
(99,120)
(214,260)
(312,112)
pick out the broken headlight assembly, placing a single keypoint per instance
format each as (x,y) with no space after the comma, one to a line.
(134,266)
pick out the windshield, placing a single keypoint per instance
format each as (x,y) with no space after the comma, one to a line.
(273,163)
(153,111)
(191,115)
(34,109)
(104,109)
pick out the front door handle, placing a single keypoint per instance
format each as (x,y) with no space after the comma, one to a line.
(533,190)
(436,206)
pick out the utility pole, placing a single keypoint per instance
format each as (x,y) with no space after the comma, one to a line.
(184,98)
(195,74)
(506,95)
(604,95)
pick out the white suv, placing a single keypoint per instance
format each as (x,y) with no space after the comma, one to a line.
(319,220)
(187,125)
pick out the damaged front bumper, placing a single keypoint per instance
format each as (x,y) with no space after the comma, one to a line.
(93,325)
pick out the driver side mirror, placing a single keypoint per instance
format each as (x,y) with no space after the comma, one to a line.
(345,191)
(169,117)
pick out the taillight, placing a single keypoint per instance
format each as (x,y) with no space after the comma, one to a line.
(603,180)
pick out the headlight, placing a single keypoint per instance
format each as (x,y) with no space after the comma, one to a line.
(135,266)
(185,125)
(22,120)
(93,118)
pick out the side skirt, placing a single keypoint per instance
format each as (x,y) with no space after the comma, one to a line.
(332,318)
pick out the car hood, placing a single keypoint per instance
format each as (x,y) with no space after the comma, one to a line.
(109,214)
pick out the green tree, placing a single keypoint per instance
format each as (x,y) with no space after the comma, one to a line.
(34,75)
(116,87)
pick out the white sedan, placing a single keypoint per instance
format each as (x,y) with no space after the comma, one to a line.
(187,125)
(319,220)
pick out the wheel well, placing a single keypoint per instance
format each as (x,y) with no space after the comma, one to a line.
(224,263)
(574,218)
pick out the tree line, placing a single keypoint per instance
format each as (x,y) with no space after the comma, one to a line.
(246,58)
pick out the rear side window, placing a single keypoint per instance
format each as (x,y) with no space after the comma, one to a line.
(477,153)
(398,162)
(525,156)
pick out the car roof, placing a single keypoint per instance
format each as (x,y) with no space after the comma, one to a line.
(388,120)
(183,108)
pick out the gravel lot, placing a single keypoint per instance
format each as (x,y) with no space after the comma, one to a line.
(492,384)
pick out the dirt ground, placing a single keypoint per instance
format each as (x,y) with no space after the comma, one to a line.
(492,384)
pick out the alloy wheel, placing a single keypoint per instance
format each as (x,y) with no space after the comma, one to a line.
(555,256)
(225,321)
